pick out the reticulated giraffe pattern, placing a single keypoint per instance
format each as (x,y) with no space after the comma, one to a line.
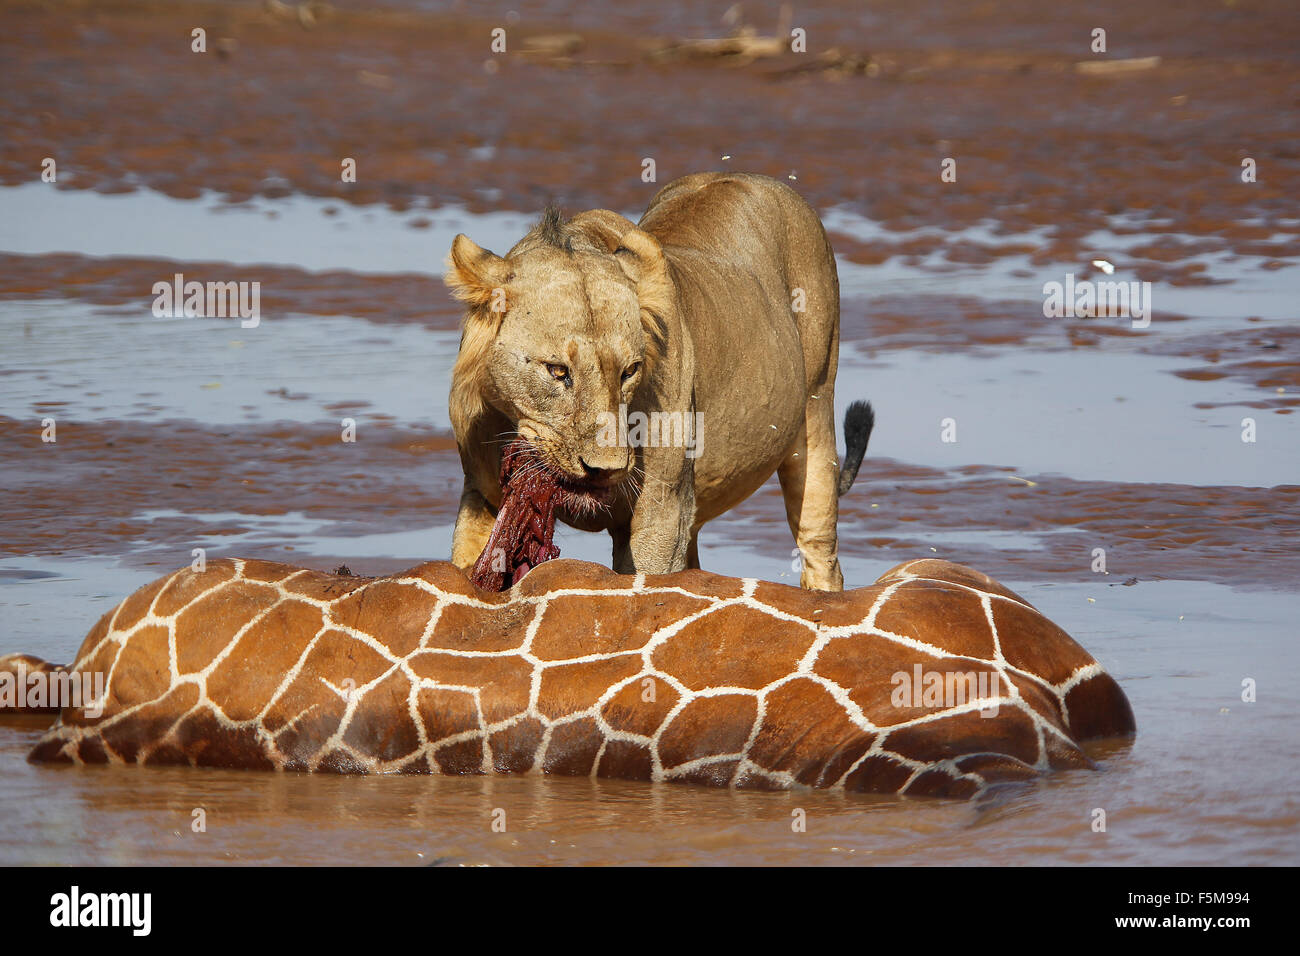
(577,670)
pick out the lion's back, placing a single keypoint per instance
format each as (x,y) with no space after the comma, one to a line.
(743,217)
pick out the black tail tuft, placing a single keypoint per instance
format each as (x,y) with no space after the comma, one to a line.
(858,422)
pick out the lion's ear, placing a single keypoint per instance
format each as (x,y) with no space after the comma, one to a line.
(475,275)
(642,260)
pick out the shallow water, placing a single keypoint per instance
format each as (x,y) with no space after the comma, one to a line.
(301,231)
(1209,778)
(109,364)
(317,234)
(1115,414)
(1234,285)
(184,433)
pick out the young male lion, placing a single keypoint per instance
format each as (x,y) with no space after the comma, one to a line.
(661,371)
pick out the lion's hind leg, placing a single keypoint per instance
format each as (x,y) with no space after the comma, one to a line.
(808,477)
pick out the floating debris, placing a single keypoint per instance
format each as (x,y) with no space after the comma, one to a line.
(553,44)
(1116,67)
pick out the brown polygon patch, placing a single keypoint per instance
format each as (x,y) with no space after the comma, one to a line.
(1098,708)
(446,712)
(206,627)
(628,710)
(131,611)
(244,682)
(576,626)
(823,608)
(708,726)
(733,647)
(381,724)
(946,617)
(148,723)
(463,757)
(206,742)
(449,579)
(573,747)
(811,727)
(337,657)
(270,572)
(515,748)
(419,765)
(938,783)
(400,612)
(462,627)
(91,750)
(941,570)
(866,666)
(567,574)
(716,774)
(569,688)
(1065,754)
(142,673)
(1010,732)
(750,780)
(340,761)
(1045,702)
(503,682)
(879,773)
(1033,643)
(323,587)
(186,585)
(624,760)
(704,583)
(997,768)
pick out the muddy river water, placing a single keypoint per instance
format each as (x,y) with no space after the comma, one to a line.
(1072,434)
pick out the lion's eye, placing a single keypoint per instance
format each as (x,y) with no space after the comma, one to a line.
(631,370)
(558,372)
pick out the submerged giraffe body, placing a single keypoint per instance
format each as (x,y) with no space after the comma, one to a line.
(576,670)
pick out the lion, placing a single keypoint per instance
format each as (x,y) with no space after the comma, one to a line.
(664,370)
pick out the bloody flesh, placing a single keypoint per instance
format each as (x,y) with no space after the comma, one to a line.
(525,525)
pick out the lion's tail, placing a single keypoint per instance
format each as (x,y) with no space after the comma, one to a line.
(858,422)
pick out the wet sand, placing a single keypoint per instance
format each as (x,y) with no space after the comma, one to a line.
(1074,434)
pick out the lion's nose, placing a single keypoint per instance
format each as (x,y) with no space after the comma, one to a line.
(597,474)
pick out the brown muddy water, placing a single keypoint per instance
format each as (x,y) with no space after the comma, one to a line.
(1072,434)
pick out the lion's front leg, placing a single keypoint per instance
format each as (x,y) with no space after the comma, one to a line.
(658,539)
(474,523)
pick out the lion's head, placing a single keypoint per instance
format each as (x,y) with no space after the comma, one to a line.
(559,333)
